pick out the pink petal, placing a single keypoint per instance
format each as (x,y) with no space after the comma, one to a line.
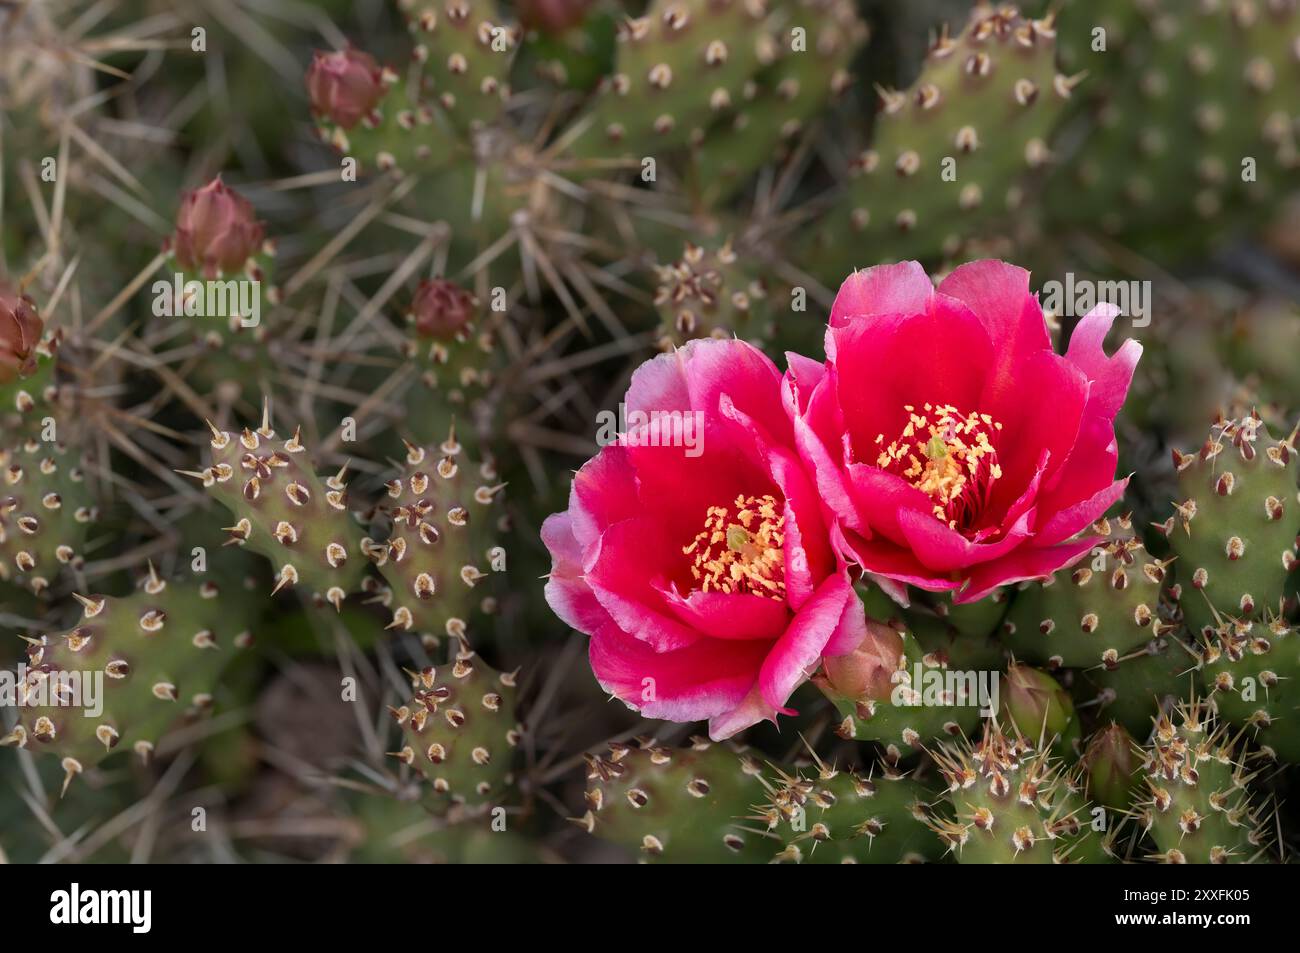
(603,493)
(1026,562)
(852,628)
(885,561)
(1043,412)
(1110,376)
(701,681)
(749,712)
(942,549)
(999,295)
(902,288)
(798,652)
(567,592)
(817,425)
(628,571)
(1074,519)
(723,615)
(808,558)
(880,498)
(1089,470)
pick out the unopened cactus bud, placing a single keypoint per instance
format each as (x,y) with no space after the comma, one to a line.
(216,231)
(20,332)
(1039,708)
(442,309)
(344,86)
(1112,762)
(867,671)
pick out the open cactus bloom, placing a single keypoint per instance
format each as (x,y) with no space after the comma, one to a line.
(942,444)
(695,552)
(954,448)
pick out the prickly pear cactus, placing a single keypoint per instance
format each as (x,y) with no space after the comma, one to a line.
(701,804)
(1250,669)
(1093,614)
(1195,91)
(709,293)
(846,817)
(1010,804)
(950,153)
(282,510)
(1199,808)
(129,670)
(1235,523)
(459,730)
(446,520)
(813,53)
(679,67)
(891,691)
(45,512)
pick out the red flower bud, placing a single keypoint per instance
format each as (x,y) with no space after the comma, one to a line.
(442,309)
(216,231)
(344,86)
(20,332)
(551,16)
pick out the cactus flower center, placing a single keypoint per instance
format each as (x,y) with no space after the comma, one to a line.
(741,553)
(948,456)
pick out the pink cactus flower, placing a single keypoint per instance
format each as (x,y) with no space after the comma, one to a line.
(956,450)
(703,571)
(216,231)
(344,86)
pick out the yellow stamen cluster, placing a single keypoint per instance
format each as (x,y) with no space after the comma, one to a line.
(942,453)
(741,554)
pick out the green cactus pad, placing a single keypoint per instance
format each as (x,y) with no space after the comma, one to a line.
(950,154)
(778,105)
(157,653)
(903,715)
(459,731)
(1252,678)
(446,515)
(44,514)
(1008,804)
(1199,809)
(679,68)
(844,817)
(1093,614)
(701,804)
(465,51)
(1136,687)
(710,293)
(285,512)
(1234,527)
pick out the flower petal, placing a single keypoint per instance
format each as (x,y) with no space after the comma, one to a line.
(726,615)
(797,653)
(567,591)
(902,288)
(1025,562)
(1110,376)
(703,680)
